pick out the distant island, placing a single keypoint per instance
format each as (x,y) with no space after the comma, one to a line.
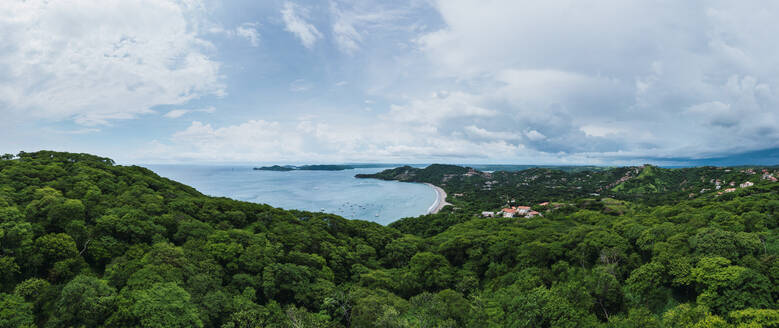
(275,168)
(323,167)
(286,168)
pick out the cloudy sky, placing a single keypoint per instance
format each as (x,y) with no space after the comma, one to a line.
(525,82)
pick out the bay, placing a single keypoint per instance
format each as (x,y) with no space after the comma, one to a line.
(337,192)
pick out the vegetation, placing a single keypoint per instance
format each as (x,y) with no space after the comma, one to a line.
(473,191)
(319,167)
(305,168)
(275,168)
(435,173)
(564,168)
(86,243)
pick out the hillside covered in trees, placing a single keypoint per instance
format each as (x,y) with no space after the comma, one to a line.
(474,191)
(87,243)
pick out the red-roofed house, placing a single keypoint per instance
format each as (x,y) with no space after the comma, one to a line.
(508,212)
(532,214)
(522,210)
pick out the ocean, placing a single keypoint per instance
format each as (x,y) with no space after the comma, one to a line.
(337,192)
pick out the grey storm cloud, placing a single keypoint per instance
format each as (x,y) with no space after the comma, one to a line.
(681,78)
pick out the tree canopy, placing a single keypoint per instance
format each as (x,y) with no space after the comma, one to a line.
(87,243)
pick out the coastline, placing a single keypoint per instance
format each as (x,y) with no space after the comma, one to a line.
(440,200)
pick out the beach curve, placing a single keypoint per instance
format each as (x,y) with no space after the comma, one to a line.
(440,200)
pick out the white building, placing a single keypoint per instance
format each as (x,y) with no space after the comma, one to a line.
(509,212)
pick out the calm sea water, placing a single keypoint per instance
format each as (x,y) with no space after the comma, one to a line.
(335,192)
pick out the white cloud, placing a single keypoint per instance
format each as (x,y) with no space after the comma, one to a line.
(521,80)
(600,130)
(535,135)
(530,82)
(246,141)
(482,133)
(667,81)
(313,140)
(295,20)
(354,22)
(176,113)
(346,35)
(101,61)
(439,106)
(249,32)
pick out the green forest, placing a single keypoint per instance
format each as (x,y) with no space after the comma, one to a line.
(87,243)
(474,190)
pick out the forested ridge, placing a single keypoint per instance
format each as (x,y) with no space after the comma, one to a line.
(474,190)
(87,243)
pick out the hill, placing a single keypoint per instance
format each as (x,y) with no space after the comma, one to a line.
(305,168)
(87,243)
(275,168)
(432,173)
(475,191)
(510,168)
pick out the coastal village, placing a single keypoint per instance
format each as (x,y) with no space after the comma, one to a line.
(515,211)
(527,212)
(765,175)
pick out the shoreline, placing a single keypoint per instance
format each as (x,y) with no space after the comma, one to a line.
(440,200)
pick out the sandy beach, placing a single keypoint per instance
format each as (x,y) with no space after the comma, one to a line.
(440,200)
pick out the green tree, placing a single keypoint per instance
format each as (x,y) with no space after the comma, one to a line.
(9,270)
(766,318)
(56,247)
(63,213)
(431,271)
(537,308)
(15,312)
(647,286)
(637,317)
(85,301)
(374,305)
(164,305)
(726,287)
(399,251)
(688,316)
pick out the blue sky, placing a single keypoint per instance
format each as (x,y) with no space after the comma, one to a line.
(558,82)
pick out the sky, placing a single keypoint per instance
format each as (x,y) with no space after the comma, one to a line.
(408,81)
